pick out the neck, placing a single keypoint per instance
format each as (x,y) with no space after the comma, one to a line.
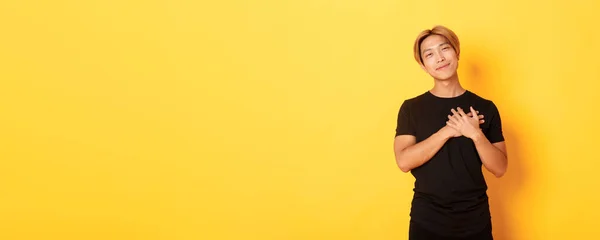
(447,88)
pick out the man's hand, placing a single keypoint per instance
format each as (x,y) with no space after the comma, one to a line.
(466,124)
(454,132)
(481,120)
(450,132)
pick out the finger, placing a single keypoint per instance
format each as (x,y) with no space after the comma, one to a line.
(454,111)
(481,121)
(456,114)
(461,112)
(453,119)
(470,114)
(480,116)
(451,124)
(473,111)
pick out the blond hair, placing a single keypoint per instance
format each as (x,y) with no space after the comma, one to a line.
(436,30)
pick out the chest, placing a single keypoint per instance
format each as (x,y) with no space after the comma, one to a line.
(430,118)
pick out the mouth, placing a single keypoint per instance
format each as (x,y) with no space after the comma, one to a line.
(443,66)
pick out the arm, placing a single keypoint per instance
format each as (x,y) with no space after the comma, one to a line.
(410,154)
(493,155)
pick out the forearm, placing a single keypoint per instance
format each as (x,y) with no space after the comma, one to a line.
(492,158)
(418,154)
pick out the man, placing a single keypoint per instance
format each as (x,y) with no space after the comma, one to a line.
(443,137)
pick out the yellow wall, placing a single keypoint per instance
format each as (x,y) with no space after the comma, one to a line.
(275,119)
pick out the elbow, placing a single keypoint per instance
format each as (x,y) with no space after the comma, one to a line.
(403,166)
(401,162)
(498,168)
(500,172)
(404,169)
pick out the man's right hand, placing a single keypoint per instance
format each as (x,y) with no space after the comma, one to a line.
(451,132)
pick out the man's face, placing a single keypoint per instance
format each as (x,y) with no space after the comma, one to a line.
(439,57)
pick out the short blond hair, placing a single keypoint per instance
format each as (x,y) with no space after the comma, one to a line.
(436,30)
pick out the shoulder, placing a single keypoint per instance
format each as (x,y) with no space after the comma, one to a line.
(408,105)
(415,99)
(483,101)
(479,98)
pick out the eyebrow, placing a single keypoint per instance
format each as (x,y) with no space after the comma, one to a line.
(437,46)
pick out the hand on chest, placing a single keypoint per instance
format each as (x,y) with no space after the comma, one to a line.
(431,119)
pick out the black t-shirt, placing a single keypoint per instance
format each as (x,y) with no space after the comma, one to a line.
(450,191)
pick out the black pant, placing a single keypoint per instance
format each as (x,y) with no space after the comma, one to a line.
(416,232)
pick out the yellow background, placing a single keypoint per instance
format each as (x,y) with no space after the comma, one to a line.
(275,119)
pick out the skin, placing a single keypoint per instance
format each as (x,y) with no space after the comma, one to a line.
(440,61)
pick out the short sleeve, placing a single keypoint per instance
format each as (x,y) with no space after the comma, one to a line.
(494,132)
(404,124)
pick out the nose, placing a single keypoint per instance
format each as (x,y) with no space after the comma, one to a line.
(441,58)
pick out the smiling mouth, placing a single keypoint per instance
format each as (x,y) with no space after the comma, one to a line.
(442,67)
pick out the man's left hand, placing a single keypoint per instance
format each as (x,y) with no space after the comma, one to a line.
(468,126)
